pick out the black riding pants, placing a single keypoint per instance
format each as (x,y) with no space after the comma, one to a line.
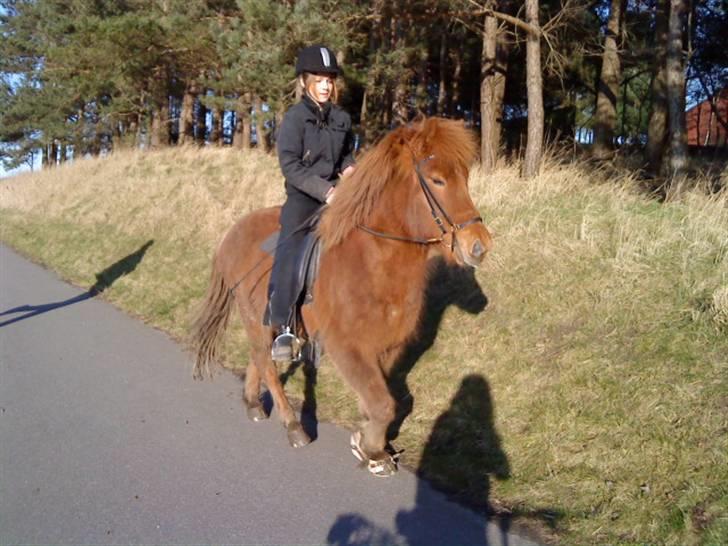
(296,210)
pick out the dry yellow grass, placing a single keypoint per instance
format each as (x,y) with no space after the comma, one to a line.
(601,407)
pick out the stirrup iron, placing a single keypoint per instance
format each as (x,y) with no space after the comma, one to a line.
(286,346)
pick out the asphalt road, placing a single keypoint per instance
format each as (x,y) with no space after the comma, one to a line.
(106,439)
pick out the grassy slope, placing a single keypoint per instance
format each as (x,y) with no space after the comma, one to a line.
(591,394)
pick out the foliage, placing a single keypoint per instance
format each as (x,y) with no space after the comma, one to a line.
(83,77)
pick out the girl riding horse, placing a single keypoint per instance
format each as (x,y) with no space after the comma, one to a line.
(407,201)
(315,147)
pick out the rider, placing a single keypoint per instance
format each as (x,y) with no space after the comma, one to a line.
(315,147)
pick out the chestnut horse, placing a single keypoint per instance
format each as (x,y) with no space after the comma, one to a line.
(406,201)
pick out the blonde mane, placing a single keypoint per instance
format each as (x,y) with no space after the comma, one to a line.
(391,162)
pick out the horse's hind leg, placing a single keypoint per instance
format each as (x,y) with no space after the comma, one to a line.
(269,374)
(251,394)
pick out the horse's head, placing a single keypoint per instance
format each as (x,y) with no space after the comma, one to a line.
(438,154)
(413,187)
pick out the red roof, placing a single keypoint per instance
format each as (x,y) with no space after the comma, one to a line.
(707,123)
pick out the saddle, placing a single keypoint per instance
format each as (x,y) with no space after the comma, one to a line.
(307,267)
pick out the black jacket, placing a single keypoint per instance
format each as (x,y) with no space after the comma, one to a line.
(315,145)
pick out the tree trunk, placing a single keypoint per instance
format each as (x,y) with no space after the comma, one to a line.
(442,88)
(216,128)
(401,83)
(241,137)
(260,131)
(115,136)
(608,85)
(676,89)
(139,131)
(54,154)
(455,96)
(78,135)
(534,84)
(165,136)
(133,132)
(399,104)
(201,122)
(187,115)
(155,139)
(363,113)
(492,89)
(657,126)
(340,82)
(159,130)
(422,99)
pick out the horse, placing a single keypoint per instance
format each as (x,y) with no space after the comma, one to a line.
(406,202)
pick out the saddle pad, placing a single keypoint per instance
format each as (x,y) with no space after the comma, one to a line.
(269,245)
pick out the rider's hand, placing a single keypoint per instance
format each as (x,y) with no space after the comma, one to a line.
(346,172)
(330,195)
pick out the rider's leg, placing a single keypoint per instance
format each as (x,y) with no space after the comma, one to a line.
(296,210)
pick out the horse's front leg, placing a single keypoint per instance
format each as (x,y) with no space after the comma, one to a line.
(376,405)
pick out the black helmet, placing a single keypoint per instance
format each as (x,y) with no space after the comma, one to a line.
(317,59)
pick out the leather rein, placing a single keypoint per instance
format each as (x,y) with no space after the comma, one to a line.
(434,205)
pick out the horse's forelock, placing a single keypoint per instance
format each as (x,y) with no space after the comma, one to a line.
(449,141)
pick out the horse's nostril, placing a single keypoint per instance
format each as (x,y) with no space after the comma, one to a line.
(478,249)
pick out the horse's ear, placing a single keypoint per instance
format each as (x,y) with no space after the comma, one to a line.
(405,134)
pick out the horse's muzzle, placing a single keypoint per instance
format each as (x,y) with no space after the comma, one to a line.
(472,246)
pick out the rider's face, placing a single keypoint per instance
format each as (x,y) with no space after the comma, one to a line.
(320,87)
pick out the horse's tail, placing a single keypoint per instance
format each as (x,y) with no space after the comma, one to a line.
(210,324)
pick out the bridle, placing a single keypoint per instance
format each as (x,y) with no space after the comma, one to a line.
(452,228)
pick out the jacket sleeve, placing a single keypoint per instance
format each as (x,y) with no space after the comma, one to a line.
(290,157)
(347,151)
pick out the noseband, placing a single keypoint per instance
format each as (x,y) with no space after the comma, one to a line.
(452,228)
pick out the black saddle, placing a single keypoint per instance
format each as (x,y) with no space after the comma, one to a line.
(307,262)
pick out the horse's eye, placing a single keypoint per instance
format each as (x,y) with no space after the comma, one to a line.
(438,182)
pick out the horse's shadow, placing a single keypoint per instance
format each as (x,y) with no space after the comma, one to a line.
(447,285)
(104,279)
(461,456)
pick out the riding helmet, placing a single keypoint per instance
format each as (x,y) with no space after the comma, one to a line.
(317,59)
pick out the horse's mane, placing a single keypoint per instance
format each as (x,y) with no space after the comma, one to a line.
(391,162)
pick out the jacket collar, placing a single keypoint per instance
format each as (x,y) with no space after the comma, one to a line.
(321,111)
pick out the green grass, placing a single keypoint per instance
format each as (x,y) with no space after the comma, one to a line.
(578,381)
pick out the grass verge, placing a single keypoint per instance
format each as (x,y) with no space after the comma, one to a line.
(577,381)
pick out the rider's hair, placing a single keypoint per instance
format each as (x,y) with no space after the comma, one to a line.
(307,78)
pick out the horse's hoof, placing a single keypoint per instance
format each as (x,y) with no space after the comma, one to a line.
(297,437)
(383,466)
(256,413)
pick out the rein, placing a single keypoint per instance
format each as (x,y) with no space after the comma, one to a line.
(434,205)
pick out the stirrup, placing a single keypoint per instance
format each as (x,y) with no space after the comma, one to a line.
(284,346)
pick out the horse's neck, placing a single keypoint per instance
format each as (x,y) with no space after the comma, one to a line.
(402,265)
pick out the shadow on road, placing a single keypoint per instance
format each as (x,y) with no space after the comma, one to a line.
(104,280)
(461,456)
(309,420)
